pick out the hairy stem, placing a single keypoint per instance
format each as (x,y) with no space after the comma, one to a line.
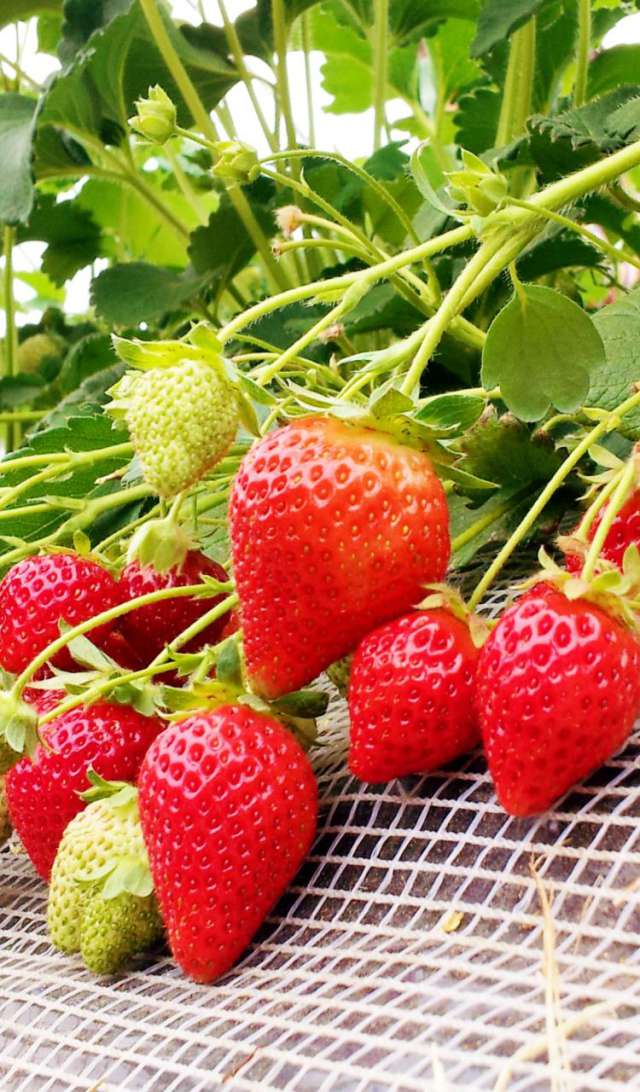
(621,492)
(582,58)
(609,422)
(11,333)
(380,64)
(237,52)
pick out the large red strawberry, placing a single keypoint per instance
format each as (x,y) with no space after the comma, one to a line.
(43,792)
(558,693)
(412,696)
(149,629)
(624,532)
(228,804)
(40,592)
(334,530)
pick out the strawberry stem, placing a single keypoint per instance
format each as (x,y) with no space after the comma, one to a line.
(109,616)
(618,498)
(592,511)
(156,667)
(607,424)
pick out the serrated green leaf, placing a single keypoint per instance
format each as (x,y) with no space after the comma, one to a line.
(17,117)
(135,292)
(619,327)
(498,20)
(503,450)
(73,238)
(541,351)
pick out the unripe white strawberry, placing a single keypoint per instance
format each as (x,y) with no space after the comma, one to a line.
(181,410)
(101,900)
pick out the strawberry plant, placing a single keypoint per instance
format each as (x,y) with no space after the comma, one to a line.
(307,387)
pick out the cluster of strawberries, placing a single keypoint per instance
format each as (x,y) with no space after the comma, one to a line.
(196,826)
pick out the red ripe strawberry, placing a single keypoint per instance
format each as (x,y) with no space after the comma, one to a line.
(334,530)
(412,696)
(149,629)
(624,532)
(228,805)
(38,593)
(43,793)
(558,693)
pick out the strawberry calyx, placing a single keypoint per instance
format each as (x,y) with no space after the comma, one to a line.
(123,873)
(18,730)
(615,591)
(297,711)
(161,543)
(445,597)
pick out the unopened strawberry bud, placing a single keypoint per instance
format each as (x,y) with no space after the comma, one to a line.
(236,162)
(156,118)
(477,186)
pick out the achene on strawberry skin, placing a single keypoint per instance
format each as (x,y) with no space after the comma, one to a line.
(228,806)
(412,696)
(558,694)
(334,530)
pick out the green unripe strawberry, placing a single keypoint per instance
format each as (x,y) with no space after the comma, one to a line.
(181,411)
(36,349)
(101,900)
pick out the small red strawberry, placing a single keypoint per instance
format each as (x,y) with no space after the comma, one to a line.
(558,693)
(412,696)
(624,532)
(149,629)
(334,530)
(228,805)
(43,792)
(40,592)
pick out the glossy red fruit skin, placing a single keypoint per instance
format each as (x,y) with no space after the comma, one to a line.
(558,694)
(40,591)
(149,629)
(43,794)
(624,532)
(412,696)
(334,530)
(228,805)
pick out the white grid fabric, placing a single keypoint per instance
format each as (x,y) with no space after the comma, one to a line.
(354,984)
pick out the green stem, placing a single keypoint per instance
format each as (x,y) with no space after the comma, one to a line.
(11,333)
(156,667)
(308,79)
(371,275)
(186,187)
(516,100)
(102,619)
(582,59)
(346,304)
(621,492)
(487,520)
(599,501)
(616,255)
(237,52)
(203,121)
(283,90)
(380,64)
(22,415)
(367,179)
(608,423)
(453,303)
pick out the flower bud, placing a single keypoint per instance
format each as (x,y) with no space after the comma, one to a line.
(289,219)
(236,162)
(156,118)
(477,186)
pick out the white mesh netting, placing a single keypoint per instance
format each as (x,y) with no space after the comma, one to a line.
(355,982)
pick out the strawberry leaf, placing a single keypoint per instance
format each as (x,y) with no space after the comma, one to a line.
(541,350)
